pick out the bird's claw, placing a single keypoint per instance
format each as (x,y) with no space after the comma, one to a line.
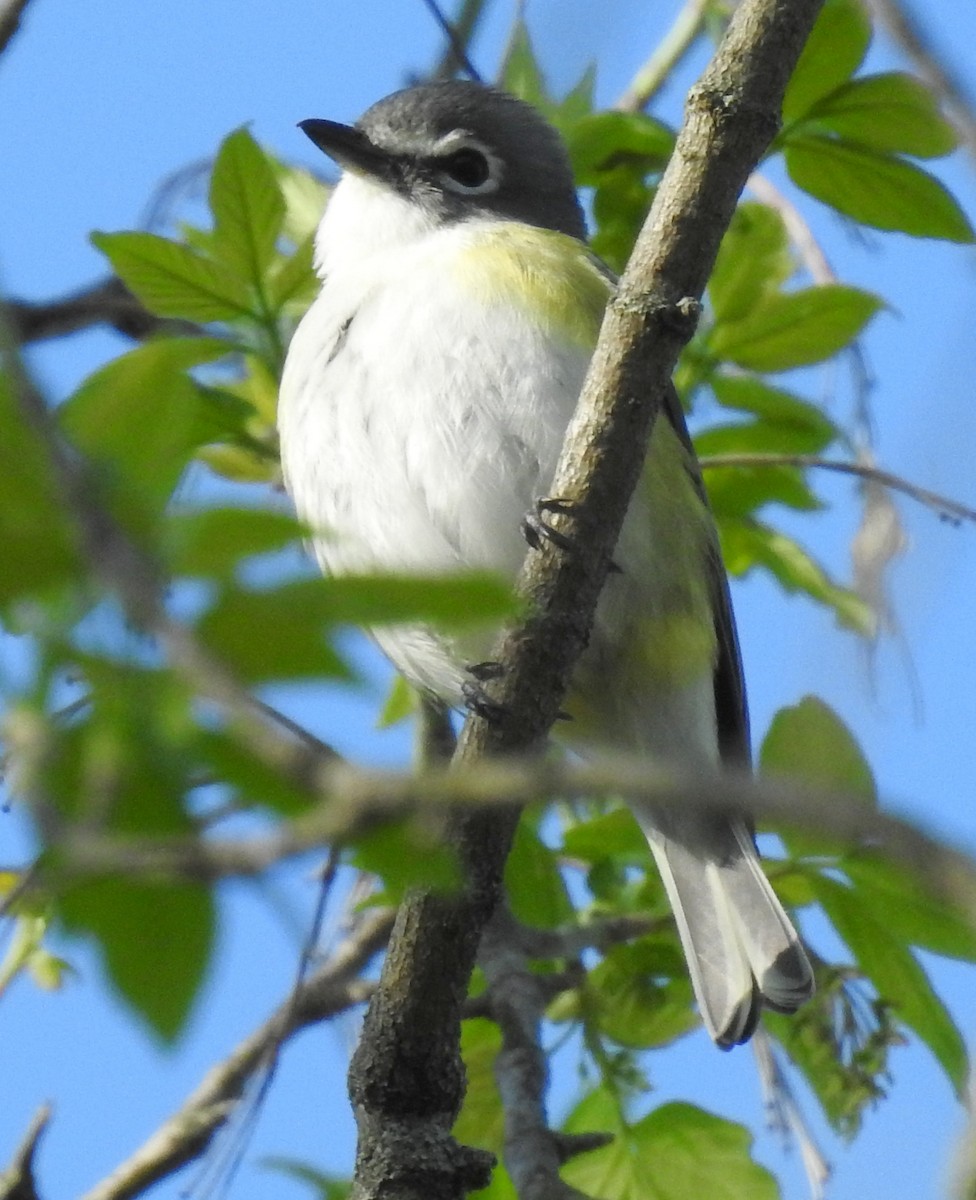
(536,529)
(476,699)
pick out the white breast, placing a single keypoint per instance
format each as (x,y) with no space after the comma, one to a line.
(418,425)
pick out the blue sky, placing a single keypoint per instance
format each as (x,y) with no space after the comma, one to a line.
(102,99)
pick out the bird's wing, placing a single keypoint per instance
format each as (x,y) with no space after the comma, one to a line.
(731,710)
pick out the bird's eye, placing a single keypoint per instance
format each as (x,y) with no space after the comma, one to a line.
(467,169)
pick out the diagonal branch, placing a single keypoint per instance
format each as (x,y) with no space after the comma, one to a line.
(11,14)
(17,1181)
(334,988)
(406,1074)
(667,54)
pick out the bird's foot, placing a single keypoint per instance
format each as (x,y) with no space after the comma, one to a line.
(476,699)
(536,529)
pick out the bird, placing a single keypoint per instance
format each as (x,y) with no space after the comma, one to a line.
(423,404)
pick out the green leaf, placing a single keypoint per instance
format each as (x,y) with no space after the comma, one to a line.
(155,940)
(406,854)
(876,189)
(305,197)
(223,757)
(248,208)
(737,492)
(808,741)
(620,204)
(834,50)
(799,422)
(578,101)
(481,1121)
(36,532)
(676,1152)
(892,113)
(606,141)
(533,881)
(608,835)
(520,72)
(753,261)
(400,703)
(293,279)
(453,601)
(140,418)
(240,465)
(174,281)
(912,911)
(794,329)
(640,993)
(748,543)
(897,975)
(213,542)
(276,634)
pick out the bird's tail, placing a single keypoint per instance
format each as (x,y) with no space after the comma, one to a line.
(741,947)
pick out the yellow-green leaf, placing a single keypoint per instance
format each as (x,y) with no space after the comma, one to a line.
(875,188)
(892,113)
(834,50)
(794,329)
(247,206)
(173,280)
(676,1152)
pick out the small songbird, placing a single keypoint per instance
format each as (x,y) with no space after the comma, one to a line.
(423,406)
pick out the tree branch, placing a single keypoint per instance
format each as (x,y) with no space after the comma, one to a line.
(458,34)
(799,232)
(11,14)
(516,1001)
(17,1181)
(406,1078)
(108,302)
(333,989)
(949,510)
(672,48)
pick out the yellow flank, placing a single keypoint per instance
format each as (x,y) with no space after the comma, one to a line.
(552,277)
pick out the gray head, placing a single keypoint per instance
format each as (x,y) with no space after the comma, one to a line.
(460,150)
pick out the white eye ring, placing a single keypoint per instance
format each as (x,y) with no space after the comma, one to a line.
(467,168)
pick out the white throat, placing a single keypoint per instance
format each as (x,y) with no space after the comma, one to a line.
(364,218)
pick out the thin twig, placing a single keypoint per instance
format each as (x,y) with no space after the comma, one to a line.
(458,37)
(669,52)
(947,509)
(799,232)
(465,26)
(17,1182)
(11,14)
(333,989)
(219,1169)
